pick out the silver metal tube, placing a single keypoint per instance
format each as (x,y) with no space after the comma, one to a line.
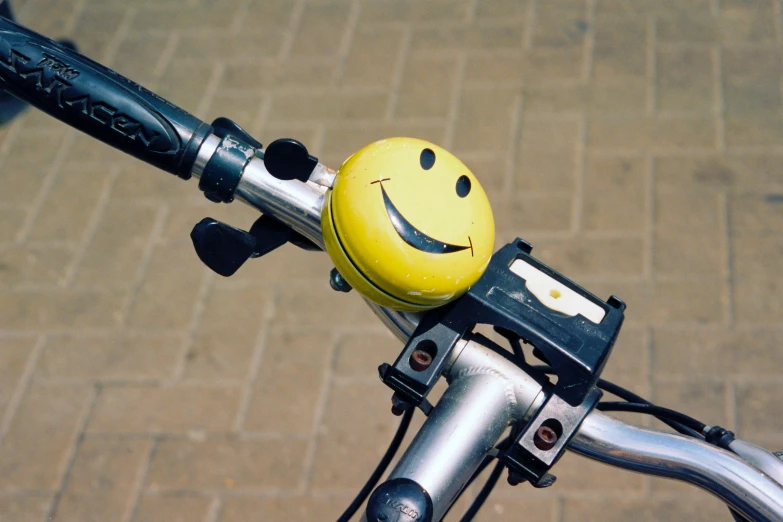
(401,324)
(647,451)
(471,358)
(296,204)
(205,153)
(486,393)
(761,459)
(467,423)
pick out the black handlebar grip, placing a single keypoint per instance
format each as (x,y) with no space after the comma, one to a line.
(98,101)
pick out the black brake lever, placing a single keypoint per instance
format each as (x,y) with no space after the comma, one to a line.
(224,249)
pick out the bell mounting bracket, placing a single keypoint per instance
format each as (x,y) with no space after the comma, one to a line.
(574,346)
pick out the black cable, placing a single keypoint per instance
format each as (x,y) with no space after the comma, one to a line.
(513,339)
(678,421)
(629,396)
(611,387)
(381,468)
(483,494)
(621,392)
(674,419)
(501,446)
(651,409)
(479,470)
(518,352)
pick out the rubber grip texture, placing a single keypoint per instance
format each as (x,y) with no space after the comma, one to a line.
(98,101)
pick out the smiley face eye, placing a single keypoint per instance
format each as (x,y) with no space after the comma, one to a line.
(463,186)
(427,159)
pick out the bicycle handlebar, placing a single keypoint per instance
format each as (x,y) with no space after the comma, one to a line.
(487,391)
(98,101)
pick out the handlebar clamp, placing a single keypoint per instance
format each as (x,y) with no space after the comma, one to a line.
(544,439)
(577,347)
(224,168)
(570,329)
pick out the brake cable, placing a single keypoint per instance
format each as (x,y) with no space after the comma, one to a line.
(657,411)
(381,468)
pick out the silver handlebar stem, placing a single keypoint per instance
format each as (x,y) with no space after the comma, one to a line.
(486,393)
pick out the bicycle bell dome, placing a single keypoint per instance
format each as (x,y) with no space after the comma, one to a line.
(407,224)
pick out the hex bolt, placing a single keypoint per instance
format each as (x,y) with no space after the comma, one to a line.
(545,438)
(420,360)
(338,282)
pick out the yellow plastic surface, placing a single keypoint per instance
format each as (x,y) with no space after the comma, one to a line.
(400,228)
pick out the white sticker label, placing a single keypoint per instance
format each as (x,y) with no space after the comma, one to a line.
(556,295)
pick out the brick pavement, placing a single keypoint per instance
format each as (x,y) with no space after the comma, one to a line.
(637,143)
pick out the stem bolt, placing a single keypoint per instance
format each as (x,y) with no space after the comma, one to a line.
(420,360)
(545,438)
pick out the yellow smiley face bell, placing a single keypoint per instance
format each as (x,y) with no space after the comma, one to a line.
(407,224)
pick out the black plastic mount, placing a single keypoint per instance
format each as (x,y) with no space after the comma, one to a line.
(575,347)
(720,437)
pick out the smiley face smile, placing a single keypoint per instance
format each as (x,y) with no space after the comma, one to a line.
(415,237)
